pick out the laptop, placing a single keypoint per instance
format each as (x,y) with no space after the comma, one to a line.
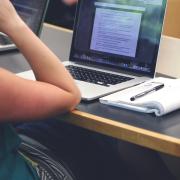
(115,44)
(32,12)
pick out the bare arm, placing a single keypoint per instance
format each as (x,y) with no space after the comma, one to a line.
(52,93)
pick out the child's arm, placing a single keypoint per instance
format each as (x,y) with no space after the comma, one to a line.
(53,92)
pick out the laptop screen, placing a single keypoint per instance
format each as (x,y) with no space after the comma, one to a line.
(124,34)
(32,12)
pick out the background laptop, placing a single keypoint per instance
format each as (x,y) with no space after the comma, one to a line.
(117,41)
(32,12)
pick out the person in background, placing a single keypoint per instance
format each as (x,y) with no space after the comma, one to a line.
(70,2)
(53,92)
(61,13)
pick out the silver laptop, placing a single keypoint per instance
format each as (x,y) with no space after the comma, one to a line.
(115,44)
(32,12)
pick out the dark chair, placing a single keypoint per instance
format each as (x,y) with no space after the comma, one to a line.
(60,14)
(46,161)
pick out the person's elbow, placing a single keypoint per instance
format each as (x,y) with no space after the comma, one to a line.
(75,98)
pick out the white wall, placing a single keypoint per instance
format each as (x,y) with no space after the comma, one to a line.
(169,57)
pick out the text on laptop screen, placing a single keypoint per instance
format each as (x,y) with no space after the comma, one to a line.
(31,11)
(121,33)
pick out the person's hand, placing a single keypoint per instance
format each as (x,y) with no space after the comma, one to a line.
(9,19)
(70,2)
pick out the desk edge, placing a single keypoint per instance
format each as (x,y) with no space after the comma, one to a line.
(139,136)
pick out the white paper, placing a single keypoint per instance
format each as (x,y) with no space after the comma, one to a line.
(159,102)
(27,75)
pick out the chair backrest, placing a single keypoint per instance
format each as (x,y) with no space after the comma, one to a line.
(48,164)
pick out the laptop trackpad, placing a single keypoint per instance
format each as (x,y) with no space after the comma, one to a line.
(90,91)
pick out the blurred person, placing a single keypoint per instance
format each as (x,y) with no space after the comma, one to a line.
(61,13)
(53,92)
(70,2)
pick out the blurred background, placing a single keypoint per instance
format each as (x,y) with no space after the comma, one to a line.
(62,12)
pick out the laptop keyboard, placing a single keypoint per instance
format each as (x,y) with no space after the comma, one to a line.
(96,77)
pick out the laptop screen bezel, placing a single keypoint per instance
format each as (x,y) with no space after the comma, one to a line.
(76,60)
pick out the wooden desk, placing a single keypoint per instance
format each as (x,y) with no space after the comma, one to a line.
(158,133)
(161,134)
